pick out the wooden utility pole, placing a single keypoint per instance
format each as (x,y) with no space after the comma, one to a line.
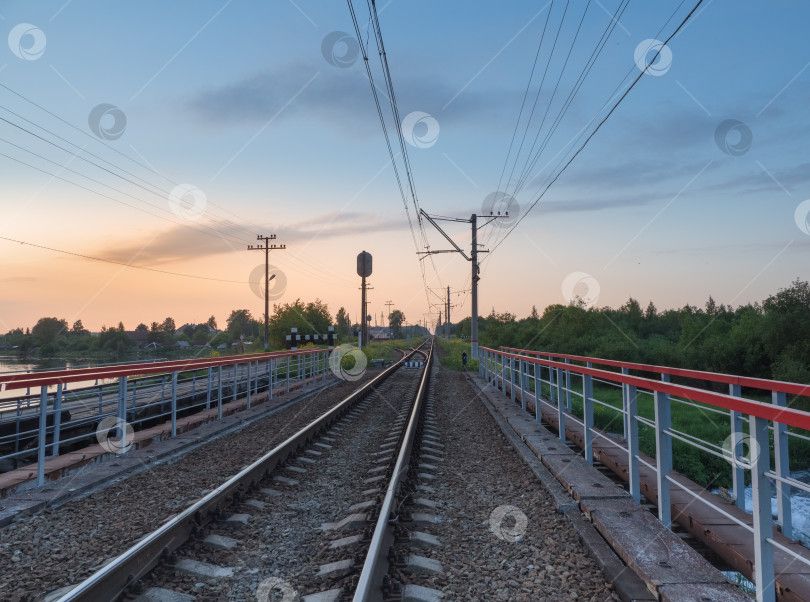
(266,248)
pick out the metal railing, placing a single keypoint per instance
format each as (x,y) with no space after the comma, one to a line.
(125,398)
(534,373)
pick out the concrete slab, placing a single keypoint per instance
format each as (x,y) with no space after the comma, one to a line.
(353,521)
(425,476)
(423,565)
(345,541)
(335,569)
(580,480)
(270,492)
(419,593)
(426,503)
(424,540)
(424,518)
(374,479)
(295,469)
(332,595)
(432,458)
(284,480)
(57,593)
(702,591)
(158,594)
(426,466)
(362,506)
(202,570)
(313,452)
(305,459)
(218,542)
(237,520)
(257,504)
(322,445)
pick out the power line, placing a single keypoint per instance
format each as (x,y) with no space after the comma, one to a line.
(599,125)
(121,263)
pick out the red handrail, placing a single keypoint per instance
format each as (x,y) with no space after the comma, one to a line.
(54,377)
(743,381)
(789,416)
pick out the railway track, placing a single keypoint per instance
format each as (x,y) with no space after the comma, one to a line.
(266,530)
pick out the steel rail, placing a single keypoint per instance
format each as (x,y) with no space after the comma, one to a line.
(375,566)
(124,570)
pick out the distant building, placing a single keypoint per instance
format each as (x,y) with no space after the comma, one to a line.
(182,345)
(380,333)
(139,338)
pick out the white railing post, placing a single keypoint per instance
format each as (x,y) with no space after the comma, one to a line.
(235,381)
(208,392)
(587,416)
(568,386)
(57,420)
(174,404)
(759,454)
(122,399)
(632,443)
(551,392)
(782,466)
(663,456)
(43,434)
(248,386)
(625,397)
(560,405)
(219,394)
(512,378)
(523,384)
(737,471)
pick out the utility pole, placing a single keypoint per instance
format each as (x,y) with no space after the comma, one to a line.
(447,319)
(472,258)
(266,248)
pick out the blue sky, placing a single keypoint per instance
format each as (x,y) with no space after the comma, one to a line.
(237,99)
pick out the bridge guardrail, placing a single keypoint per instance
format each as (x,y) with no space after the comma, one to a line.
(508,363)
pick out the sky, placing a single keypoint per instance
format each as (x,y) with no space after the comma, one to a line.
(169,136)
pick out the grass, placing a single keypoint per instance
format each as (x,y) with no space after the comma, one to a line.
(450,354)
(376,350)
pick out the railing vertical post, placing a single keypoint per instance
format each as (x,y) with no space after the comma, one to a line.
(208,391)
(759,454)
(782,465)
(568,386)
(663,456)
(512,378)
(174,404)
(100,400)
(737,471)
(538,384)
(247,391)
(587,416)
(122,401)
(523,383)
(43,434)
(560,404)
(632,443)
(625,397)
(219,394)
(57,420)
(552,393)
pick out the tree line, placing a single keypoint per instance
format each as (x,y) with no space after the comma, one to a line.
(770,339)
(51,336)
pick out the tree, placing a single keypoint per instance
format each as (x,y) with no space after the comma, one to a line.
(47,330)
(238,323)
(78,328)
(212,323)
(168,326)
(395,320)
(141,328)
(343,324)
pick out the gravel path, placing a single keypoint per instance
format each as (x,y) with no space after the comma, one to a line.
(501,536)
(59,547)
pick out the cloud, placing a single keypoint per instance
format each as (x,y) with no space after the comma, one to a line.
(178,243)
